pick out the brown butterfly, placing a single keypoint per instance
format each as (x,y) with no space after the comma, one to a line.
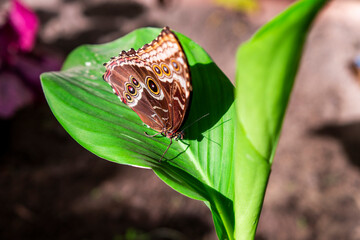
(155,82)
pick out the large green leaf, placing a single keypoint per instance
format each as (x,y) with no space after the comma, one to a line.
(266,69)
(200,166)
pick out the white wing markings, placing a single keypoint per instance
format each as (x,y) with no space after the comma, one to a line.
(156,107)
(178,100)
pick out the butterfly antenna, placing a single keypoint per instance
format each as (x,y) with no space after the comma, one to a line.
(195,121)
(166,150)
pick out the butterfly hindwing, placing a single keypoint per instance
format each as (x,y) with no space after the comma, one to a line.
(129,82)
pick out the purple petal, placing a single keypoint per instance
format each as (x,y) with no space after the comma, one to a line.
(31,66)
(13,94)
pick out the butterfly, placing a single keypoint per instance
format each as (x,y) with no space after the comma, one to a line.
(155,82)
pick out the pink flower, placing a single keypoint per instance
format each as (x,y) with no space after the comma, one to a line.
(19,66)
(25,24)
(18,34)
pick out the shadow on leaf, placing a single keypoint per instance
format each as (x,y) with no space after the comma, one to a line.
(213,94)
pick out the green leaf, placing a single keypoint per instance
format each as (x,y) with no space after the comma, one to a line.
(200,166)
(266,69)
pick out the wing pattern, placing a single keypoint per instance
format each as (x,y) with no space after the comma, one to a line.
(154,81)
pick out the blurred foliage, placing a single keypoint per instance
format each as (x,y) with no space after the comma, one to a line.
(239,5)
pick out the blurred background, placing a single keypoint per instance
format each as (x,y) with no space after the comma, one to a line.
(52,188)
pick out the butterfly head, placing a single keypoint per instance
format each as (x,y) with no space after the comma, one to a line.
(176,135)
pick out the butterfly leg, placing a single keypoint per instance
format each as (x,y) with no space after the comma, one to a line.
(166,150)
(152,135)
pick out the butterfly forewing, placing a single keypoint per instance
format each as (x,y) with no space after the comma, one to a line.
(154,81)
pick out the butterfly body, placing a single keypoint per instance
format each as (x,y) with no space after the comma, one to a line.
(155,82)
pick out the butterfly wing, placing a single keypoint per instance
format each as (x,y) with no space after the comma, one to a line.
(168,61)
(129,78)
(154,81)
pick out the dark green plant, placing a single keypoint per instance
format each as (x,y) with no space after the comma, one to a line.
(227,170)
